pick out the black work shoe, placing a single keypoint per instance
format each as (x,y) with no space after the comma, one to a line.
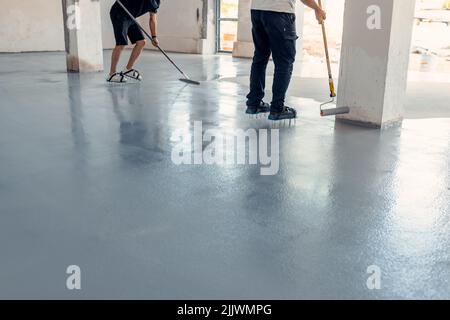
(262,108)
(284,114)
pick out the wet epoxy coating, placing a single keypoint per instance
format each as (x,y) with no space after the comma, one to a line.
(86,179)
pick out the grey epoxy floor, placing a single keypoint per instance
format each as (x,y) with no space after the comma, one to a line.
(86,178)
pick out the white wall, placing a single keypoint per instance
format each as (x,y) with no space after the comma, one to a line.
(181,25)
(31,25)
(37,25)
(107,30)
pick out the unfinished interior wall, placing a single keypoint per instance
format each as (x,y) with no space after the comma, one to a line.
(35,25)
(107,30)
(38,25)
(184,25)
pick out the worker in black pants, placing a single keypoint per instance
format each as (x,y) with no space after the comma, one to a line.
(274,32)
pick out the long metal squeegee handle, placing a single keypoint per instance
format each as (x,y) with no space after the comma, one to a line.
(151,38)
(172,62)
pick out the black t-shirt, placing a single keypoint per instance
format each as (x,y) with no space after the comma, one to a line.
(136,7)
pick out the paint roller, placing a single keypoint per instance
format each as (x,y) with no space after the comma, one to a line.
(330,111)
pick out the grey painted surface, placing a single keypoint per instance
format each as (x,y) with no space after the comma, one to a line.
(424,100)
(86,178)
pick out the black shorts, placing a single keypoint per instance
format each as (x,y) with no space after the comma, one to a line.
(123,28)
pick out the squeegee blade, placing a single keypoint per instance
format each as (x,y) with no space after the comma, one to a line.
(190,81)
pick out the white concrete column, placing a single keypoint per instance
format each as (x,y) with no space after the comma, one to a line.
(83,35)
(374,60)
(300,19)
(243,47)
(207,43)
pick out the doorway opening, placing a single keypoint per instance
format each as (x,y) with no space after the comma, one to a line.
(227,24)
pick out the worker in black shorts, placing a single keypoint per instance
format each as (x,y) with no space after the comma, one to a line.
(124,28)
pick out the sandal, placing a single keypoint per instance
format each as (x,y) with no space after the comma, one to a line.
(133,74)
(117,77)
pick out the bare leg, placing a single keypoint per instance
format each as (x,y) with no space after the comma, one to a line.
(117,51)
(137,50)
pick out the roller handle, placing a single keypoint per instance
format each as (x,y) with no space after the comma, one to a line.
(332,90)
(327,56)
